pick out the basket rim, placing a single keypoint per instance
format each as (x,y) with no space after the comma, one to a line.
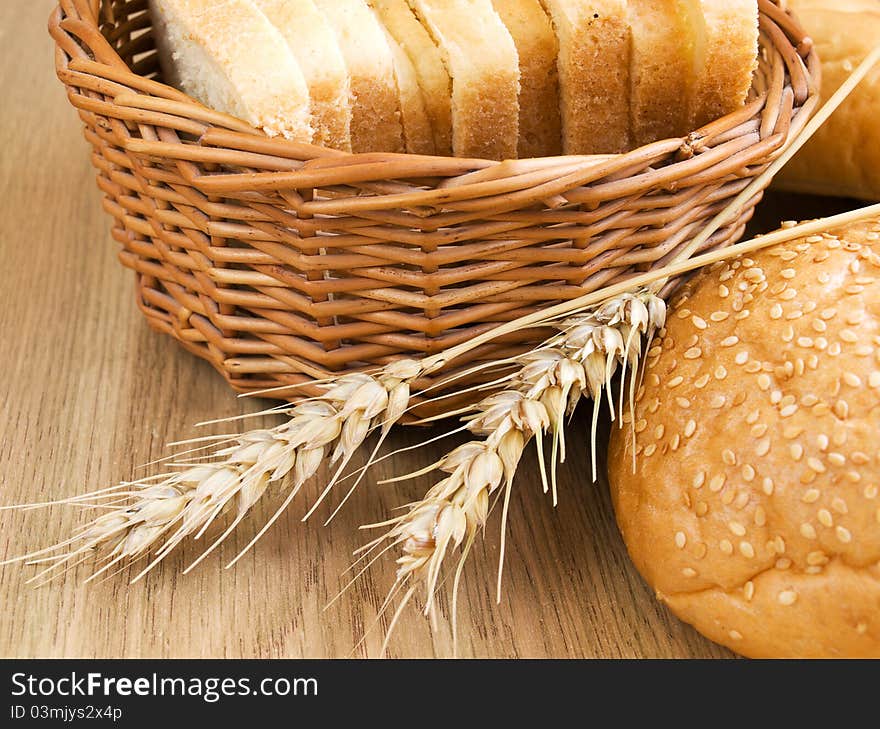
(81,18)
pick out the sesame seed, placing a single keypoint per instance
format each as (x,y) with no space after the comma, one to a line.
(725,546)
(767,486)
(701,508)
(776,311)
(790,432)
(701,382)
(841,409)
(843,534)
(689,572)
(788,411)
(870,491)
(851,379)
(753,416)
(693,353)
(680,540)
(816,465)
(747,550)
(683,402)
(730,341)
(723,291)
(729,457)
(737,528)
(859,458)
(783,563)
(874,380)
(699,322)
(849,336)
(720,372)
(759,430)
(699,480)
(749,590)
(659,431)
(717,483)
(808,531)
(764,382)
(763,447)
(760,516)
(775,397)
(811,496)
(819,326)
(675,382)
(804,342)
(650,450)
(779,544)
(719,316)
(641,425)
(741,357)
(817,558)
(825,518)
(684,313)
(787,597)
(690,428)
(748,473)
(839,505)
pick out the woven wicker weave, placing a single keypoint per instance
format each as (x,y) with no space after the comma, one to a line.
(282,262)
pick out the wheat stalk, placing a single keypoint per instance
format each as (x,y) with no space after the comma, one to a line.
(534,402)
(157,513)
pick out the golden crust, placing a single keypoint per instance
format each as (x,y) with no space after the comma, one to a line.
(754,511)
(843,158)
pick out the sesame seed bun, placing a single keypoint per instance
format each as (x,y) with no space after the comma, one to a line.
(754,510)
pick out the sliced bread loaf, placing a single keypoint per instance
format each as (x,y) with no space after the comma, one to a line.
(540,127)
(481,58)
(594,53)
(432,75)
(227,55)
(661,69)
(313,44)
(725,58)
(375,119)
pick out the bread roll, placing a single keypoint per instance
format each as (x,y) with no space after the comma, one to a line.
(482,60)
(375,121)
(313,44)
(227,55)
(594,56)
(843,158)
(754,510)
(540,126)
(428,63)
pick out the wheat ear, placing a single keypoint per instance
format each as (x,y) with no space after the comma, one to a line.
(152,516)
(533,404)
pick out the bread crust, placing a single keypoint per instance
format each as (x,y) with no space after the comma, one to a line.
(754,510)
(843,158)
(540,124)
(482,61)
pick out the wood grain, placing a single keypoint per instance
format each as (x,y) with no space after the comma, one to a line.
(89,393)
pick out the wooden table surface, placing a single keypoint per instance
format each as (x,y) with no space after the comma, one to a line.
(89,393)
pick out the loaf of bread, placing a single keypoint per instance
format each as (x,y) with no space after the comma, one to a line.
(494,79)
(540,128)
(227,55)
(482,61)
(843,158)
(375,118)
(313,44)
(433,77)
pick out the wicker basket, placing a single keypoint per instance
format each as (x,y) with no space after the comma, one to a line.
(281,263)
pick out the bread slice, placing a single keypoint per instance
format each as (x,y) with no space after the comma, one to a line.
(725,58)
(313,44)
(482,61)
(661,69)
(540,126)
(432,75)
(227,55)
(417,134)
(375,118)
(594,54)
